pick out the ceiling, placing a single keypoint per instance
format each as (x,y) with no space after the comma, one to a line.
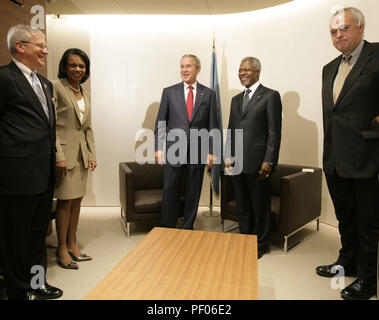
(199,7)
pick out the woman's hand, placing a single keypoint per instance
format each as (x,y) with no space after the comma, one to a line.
(92,165)
(61,168)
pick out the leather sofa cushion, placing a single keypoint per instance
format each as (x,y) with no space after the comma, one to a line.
(148,201)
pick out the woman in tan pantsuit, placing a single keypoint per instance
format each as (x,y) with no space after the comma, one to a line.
(75,152)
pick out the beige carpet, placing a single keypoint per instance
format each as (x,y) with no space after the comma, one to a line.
(283,277)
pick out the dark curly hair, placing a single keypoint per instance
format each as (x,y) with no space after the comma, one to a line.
(63,63)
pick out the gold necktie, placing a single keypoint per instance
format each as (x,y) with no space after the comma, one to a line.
(341,77)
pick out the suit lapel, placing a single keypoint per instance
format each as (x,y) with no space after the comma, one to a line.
(239,100)
(182,101)
(363,60)
(70,94)
(256,96)
(329,81)
(27,90)
(199,98)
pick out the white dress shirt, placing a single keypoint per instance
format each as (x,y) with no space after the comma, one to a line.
(26,71)
(253,88)
(82,108)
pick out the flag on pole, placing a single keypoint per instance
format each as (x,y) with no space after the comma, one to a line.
(214,84)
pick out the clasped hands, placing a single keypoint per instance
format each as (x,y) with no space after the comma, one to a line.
(160,159)
(61,167)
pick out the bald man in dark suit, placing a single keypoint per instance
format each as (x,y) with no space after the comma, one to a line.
(258,112)
(350,96)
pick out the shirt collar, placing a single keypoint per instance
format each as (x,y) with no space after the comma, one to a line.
(253,87)
(26,70)
(356,52)
(194,85)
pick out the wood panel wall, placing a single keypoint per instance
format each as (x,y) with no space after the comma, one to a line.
(10,15)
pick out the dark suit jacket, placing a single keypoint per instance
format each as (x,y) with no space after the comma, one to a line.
(27,137)
(261,122)
(351,143)
(173,110)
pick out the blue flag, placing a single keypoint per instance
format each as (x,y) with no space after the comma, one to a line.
(216,169)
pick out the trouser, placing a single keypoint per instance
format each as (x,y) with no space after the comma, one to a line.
(23,224)
(174,177)
(253,201)
(356,204)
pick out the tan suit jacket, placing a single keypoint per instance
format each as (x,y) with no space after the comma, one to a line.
(73,135)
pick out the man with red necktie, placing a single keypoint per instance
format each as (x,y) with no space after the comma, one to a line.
(186,108)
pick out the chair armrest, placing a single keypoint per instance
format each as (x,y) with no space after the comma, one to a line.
(126,187)
(300,200)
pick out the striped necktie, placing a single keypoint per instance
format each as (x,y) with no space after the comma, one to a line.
(39,92)
(245,99)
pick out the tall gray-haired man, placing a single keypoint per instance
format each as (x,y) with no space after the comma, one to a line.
(350,100)
(27,166)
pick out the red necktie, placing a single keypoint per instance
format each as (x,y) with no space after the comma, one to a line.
(190,102)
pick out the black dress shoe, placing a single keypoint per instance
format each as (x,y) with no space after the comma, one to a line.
(333,270)
(359,290)
(46,292)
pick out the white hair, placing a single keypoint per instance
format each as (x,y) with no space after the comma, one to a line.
(20,32)
(359,18)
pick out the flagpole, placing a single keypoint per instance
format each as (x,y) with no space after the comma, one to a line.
(210,212)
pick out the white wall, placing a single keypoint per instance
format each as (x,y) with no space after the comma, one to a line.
(133,57)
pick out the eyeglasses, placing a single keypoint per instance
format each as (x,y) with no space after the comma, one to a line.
(41,46)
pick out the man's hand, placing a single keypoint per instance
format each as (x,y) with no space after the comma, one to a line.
(92,165)
(61,168)
(375,122)
(210,161)
(228,165)
(265,171)
(159,157)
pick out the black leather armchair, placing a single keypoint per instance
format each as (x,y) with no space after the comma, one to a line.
(295,199)
(141,188)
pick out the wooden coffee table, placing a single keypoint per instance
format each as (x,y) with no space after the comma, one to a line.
(177,264)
